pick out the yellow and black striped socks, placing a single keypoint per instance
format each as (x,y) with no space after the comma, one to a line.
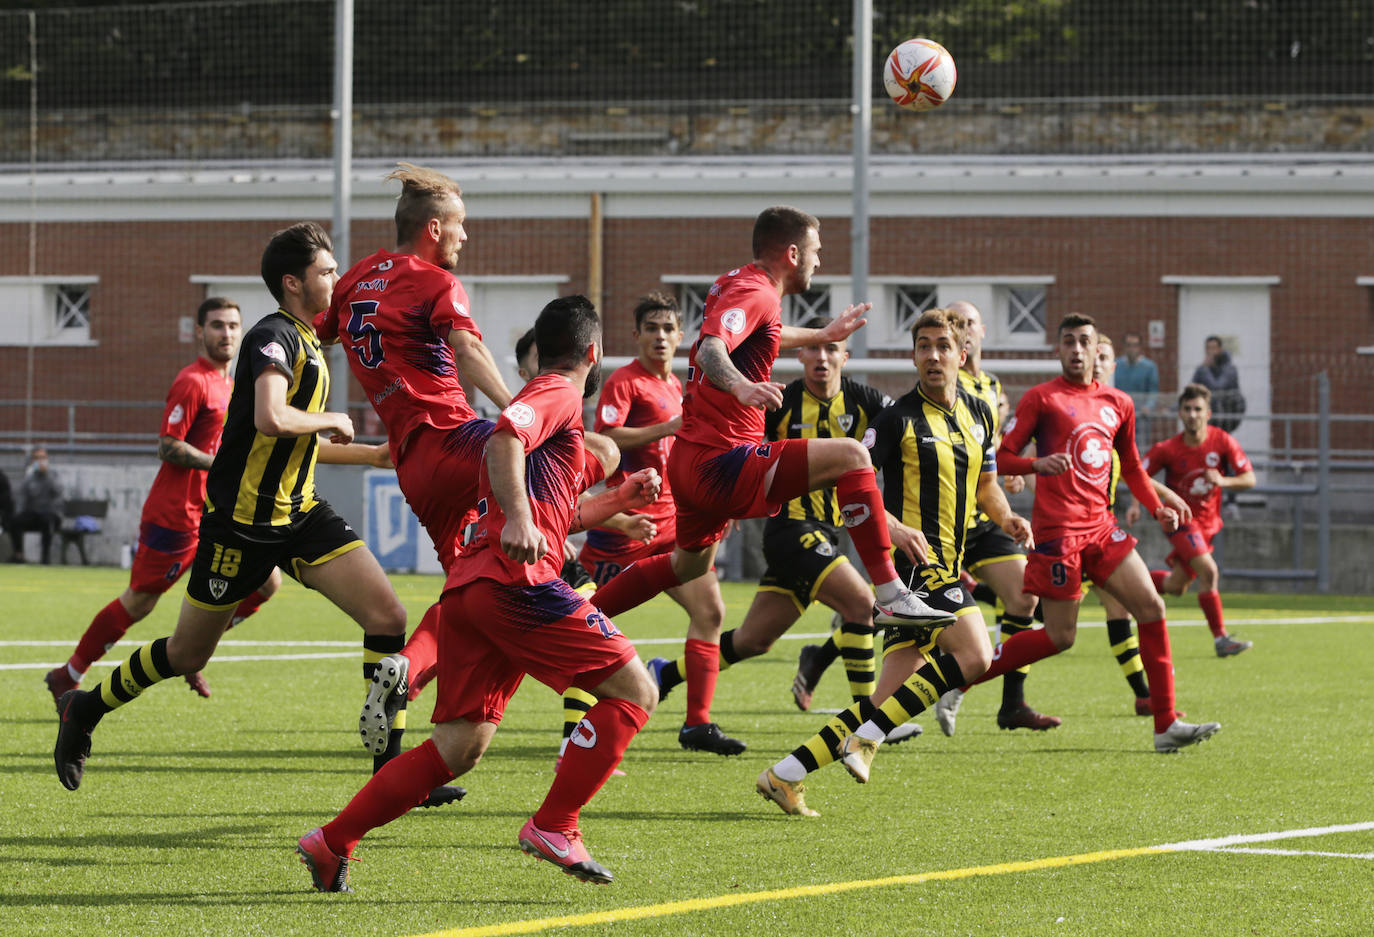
(375,647)
(146,666)
(1126,649)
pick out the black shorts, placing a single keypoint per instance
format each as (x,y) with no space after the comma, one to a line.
(799,554)
(941,590)
(233,559)
(986,543)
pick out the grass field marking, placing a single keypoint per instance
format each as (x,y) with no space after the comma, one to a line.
(1221,844)
(1299,852)
(782,894)
(693,905)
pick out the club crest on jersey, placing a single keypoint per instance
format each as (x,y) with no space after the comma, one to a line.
(609,413)
(733,320)
(1212,459)
(979,434)
(846,421)
(386,265)
(1011,425)
(274,351)
(855,514)
(870,437)
(583,735)
(461,309)
(1118,535)
(175,416)
(1090,451)
(955,595)
(825,548)
(520,414)
(1109,416)
(218,587)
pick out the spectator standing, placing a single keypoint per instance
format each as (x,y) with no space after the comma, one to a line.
(1218,374)
(1138,376)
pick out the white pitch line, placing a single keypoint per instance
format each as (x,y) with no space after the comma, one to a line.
(1207,845)
(1300,852)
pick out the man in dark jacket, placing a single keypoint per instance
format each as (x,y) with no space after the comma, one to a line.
(1218,374)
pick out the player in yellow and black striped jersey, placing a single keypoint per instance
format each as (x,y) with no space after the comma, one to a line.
(261,506)
(801,543)
(993,558)
(933,448)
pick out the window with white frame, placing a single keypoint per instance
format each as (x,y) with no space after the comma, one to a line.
(46,310)
(1013,307)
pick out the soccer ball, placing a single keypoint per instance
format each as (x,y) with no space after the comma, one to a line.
(919,74)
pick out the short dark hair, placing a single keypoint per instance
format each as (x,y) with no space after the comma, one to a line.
(1075,319)
(564,329)
(522,347)
(1126,337)
(425,194)
(938,318)
(291,252)
(214,304)
(780,226)
(1195,392)
(1214,338)
(657,301)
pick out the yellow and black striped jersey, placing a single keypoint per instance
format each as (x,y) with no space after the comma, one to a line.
(931,459)
(987,387)
(269,481)
(803,415)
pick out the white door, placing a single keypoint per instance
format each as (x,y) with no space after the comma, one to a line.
(1238,314)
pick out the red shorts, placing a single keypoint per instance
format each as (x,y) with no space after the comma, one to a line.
(606,553)
(161,557)
(1189,541)
(1056,569)
(438,475)
(713,486)
(491,634)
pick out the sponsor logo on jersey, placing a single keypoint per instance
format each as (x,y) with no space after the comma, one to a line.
(870,437)
(274,351)
(609,414)
(1090,452)
(175,416)
(855,514)
(218,587)
(461,309)
(733,320)
(583,735)
(520,414)
(375,285)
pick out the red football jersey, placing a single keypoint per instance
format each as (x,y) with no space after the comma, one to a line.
(194,413)
(393,313)
(1087,423)
(744,311)
(1184,467)
(546,416)
(635,397)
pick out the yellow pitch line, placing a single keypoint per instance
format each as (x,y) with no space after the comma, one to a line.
(782,894)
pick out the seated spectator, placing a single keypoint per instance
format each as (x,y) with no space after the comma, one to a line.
(40,506)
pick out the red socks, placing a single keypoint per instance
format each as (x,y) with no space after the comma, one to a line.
(247,607)
(1015,652)
(635,585)
(594,749)
(862,506)
(1210,603)
(703,667)
(402,784)
(422,650)
(1157,576)
(108,626)
(1159,671)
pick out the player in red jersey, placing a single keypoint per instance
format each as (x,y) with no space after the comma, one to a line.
(640,409)
(1199,463)
(720,468)
(507,613)
(1076,423)
(192,423)
(407,326)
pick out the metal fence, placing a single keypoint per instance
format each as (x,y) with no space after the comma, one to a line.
(251,80)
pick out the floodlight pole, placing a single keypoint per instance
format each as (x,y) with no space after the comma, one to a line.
(862,109)
(341,116)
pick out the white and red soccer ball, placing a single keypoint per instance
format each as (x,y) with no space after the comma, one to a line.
(919,74)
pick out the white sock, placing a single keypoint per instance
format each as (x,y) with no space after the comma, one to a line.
(790,769)
(74,673)
(887,591)
(870,731)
